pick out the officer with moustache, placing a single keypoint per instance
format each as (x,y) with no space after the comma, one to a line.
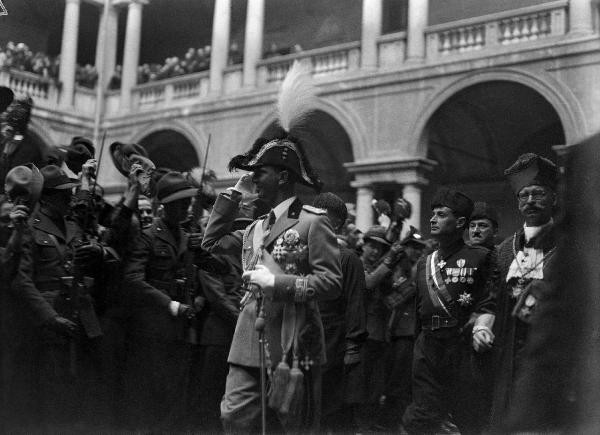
(453,286)
(483,225)
(525,261)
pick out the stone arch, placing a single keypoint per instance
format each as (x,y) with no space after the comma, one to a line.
(349,121)
(558,96)
(185,138)
(196,138)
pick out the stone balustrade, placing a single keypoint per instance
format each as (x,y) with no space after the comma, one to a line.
(158,94)
(391,50)
(322,62)
(42,90)
(505,28)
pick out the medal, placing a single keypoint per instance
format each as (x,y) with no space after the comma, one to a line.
(455,279)
(463,279)
(470,280)
(441,264)
(461,263)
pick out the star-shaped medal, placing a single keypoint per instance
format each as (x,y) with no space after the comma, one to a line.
(441,264)
(465,299)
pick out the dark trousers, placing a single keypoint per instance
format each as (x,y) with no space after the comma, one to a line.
(435,369)
(399,360)
(206,387)
(156,383)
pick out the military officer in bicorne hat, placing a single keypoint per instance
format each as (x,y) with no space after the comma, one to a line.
(291,261)
(524,261)
(454,303)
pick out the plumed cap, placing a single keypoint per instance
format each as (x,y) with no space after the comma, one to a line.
(531,169)
(377,234)
(482,210)
(284,152)
(173,186)
(460,203)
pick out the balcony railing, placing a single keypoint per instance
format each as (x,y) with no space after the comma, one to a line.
(392,50)
(170,91)
(323,62)
(41,89)
(506,28)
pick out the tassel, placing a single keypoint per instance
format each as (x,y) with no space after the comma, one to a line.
(279,385)
(295,391)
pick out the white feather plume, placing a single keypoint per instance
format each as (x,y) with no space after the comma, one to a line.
(297,97)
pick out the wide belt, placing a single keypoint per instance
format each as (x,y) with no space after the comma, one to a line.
(436,322)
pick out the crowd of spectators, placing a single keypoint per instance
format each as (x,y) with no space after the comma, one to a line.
(20,57)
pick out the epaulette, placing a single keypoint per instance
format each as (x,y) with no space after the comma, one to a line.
(313,210)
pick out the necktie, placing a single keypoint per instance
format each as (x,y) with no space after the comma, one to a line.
(267,225)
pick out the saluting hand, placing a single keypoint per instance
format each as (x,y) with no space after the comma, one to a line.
(245,185)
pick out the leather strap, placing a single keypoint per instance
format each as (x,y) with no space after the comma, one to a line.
(436,284)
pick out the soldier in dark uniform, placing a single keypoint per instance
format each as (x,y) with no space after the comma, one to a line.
(483,225)
(23,187)
(159,357)
(453,285)
(56,282)
(344,323)
(525,261)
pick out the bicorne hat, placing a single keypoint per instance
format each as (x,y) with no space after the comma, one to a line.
(173,186)
(282,152)
(24,182)
(531,169)
(295,101)
(457,201)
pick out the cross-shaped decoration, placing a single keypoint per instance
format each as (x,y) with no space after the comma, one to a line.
(441,264)
(306,363)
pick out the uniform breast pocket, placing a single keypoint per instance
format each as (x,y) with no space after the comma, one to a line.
(46,250)
(162,258)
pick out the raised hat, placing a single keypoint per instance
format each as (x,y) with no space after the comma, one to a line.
(55,178)
(173,186)
(6,97)
(25,182)
(17,115)
(377,234)
(482,210)
(122,155)
(79,151)
(460,203)
(531,169)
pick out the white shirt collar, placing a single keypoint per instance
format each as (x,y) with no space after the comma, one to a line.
(283,206)
(531,232)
